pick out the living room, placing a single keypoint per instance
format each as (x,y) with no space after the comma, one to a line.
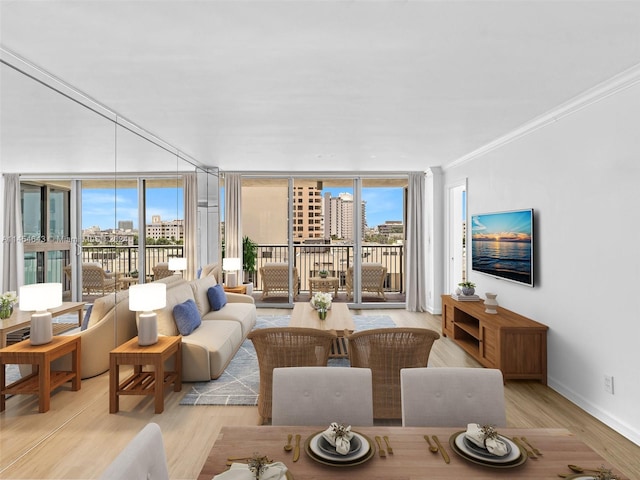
(570,156)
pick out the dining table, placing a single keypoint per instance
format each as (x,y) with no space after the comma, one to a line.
(408,457)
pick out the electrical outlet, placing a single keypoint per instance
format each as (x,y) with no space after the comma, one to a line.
(608,384)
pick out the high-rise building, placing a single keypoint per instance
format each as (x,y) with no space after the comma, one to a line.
(339,215)
(308,216)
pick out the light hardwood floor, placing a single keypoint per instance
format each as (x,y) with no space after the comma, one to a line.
(78,437)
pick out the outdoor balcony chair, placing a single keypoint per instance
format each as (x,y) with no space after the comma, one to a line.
(287,347)
(386,351)
(452,397)
(372,279)
(161,270)
(95,281)
(275,279)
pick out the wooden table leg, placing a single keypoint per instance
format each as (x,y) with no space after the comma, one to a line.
(3,380)
(75,367)
(114,384)
(44,384)
(159,383)
(177,385)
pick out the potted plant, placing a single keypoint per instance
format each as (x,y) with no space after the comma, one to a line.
(468,288)
(323,273)
(249,260)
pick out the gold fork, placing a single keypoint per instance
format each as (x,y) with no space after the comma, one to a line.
(389,449)
(380,449)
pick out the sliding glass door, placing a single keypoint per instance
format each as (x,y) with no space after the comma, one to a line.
(333,232)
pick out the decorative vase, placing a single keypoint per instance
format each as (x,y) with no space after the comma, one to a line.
(6,311)
(468,290)
(322,313)
(490,303)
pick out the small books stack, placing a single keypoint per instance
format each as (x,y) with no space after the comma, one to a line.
(465,298)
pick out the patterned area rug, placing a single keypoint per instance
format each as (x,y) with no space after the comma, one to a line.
(240,382)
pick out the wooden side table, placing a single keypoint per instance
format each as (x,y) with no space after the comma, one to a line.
(145,382)
(239,289)
(43,380)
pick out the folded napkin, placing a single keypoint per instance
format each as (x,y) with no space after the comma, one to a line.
(492,443)
(240,471)
(339,436)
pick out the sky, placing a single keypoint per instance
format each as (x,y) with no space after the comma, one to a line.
(98,205)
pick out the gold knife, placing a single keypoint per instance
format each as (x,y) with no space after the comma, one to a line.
(445,455)
(296,451)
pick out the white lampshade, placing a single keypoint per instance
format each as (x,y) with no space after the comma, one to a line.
(147,297)
(177,263)
(231,264)
(40,296)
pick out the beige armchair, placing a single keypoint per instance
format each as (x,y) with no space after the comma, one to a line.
(372,281)
(275,278)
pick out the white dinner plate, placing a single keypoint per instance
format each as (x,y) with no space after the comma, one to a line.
(512,456)
(336,457)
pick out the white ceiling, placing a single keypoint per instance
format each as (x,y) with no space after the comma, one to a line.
(327,85)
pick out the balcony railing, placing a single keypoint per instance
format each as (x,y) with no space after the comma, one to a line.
(308,259)
(335,259)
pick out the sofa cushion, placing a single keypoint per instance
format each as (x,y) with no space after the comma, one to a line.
(85,320)
(243,313)
(187,317)
(209,349)
(176,293)
(217,297)
(200,288)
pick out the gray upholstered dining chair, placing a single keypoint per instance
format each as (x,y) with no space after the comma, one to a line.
(452,397)
(321,395)
(143,458)
(287,347)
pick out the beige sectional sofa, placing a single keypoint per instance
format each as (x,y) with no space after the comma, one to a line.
(206,351)
(209,348)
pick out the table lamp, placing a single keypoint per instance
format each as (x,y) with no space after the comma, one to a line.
(231,266)
(145,298)
(38,298)
(177,264)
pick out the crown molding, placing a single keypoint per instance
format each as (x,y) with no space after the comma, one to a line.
(614,85)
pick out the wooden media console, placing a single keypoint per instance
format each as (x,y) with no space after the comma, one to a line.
(515,344)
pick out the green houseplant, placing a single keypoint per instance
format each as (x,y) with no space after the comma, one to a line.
(468,288)
(249,258)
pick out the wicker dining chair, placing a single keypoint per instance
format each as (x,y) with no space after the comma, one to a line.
(287,347)
(386,351)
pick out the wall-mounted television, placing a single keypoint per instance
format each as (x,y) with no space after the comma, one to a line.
(502,245)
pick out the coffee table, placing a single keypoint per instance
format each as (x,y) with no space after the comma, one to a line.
(338,318)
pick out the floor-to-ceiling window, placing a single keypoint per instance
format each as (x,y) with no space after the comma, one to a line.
(318,222)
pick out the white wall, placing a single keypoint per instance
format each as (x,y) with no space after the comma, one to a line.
(580,175)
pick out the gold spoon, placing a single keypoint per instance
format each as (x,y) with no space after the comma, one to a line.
(432,447)
(288,447)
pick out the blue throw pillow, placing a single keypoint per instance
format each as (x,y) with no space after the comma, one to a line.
(85,320)
(187,317)
(217,297)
